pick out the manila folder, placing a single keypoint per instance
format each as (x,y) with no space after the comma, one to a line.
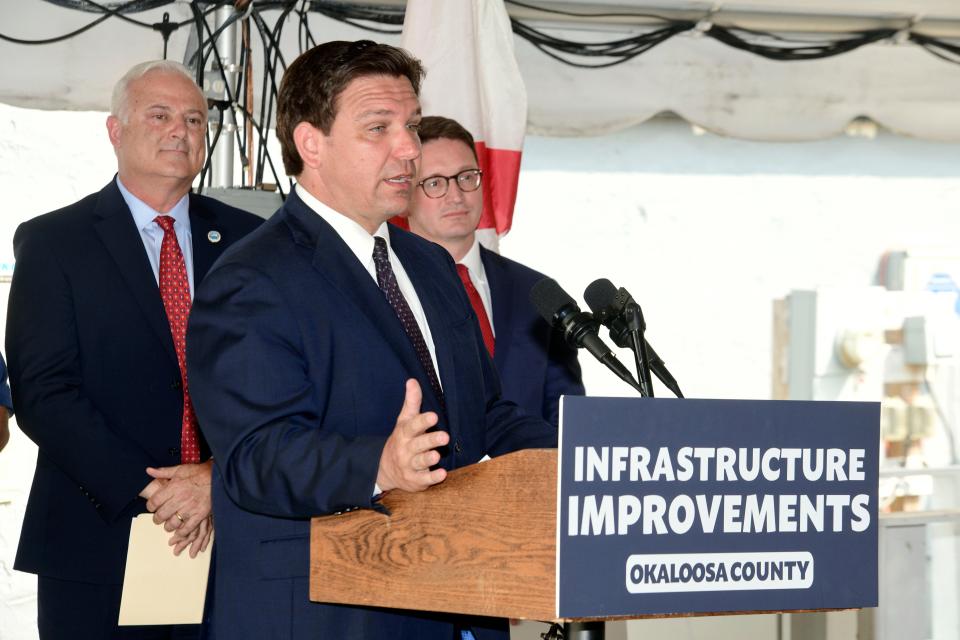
(159,587)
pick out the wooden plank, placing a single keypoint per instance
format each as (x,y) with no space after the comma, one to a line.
(481,542)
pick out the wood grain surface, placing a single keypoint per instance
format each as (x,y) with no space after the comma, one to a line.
(481,542)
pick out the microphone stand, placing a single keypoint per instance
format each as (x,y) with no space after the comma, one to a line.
(636,326)
(592,630)
(583,335)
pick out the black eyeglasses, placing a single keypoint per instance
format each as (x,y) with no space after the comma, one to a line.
(437,186)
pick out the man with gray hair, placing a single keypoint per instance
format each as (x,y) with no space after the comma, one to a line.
(96,347)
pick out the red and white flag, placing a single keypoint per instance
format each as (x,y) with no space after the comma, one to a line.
(466,47)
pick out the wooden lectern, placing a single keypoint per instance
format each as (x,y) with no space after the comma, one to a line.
(485,541)
(482,542)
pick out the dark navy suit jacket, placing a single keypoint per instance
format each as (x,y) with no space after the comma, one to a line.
(95,376)
(297,369)
(536,366)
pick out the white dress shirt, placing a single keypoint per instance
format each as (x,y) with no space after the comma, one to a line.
(152,235)
(361,243)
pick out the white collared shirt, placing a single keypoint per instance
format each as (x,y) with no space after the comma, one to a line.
(152,234)
(361,243)
(478,276)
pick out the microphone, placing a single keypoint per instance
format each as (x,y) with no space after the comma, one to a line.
(578,327)
(608,304)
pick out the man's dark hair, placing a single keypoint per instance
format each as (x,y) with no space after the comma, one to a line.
(435,127)
(312,85)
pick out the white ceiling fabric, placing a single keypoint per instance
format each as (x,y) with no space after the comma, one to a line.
(724,90)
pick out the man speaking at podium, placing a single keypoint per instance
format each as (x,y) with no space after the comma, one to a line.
(333,356)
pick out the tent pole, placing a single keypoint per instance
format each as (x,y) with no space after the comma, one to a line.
(223,151)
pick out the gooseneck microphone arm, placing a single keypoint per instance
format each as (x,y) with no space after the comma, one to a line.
(579,328)
(633,316)
(609,305)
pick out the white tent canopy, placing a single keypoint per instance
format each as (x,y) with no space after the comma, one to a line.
(728,91)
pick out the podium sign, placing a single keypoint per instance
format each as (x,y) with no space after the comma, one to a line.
(697,506)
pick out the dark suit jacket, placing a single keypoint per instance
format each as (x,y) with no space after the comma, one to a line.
(297,367)
(95,377)
(536,366)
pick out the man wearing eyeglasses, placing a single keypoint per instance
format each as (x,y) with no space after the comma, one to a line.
(536,366)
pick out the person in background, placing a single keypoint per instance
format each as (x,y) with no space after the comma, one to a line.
(95,341)
(7,402)
(536,366)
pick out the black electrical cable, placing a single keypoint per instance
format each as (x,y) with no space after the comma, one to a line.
(242,107)
(561,50)
(303,35)
(619,51)
(198,21)
(208,46)
(578,54)
(729,37)
(941,49)
(165,27)
(268,158)
(378,14)
(557,48)
(129,6)
(54,39)
(269,90)
(231,102)
(272,56)
(165,31)
(118,11)
(210,146)
(576,14)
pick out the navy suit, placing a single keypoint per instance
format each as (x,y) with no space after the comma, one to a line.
(297,368)
(95,376)
(536,366)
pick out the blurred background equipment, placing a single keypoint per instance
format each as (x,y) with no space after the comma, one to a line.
(898,344)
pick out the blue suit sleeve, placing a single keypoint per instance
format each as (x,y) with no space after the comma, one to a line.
(563,377)
(509,428)
(262,406)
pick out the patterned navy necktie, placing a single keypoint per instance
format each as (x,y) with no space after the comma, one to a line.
(387,281)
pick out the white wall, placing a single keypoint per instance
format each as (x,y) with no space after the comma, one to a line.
(705,232)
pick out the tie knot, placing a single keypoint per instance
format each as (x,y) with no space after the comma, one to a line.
(379,249)
(464,272)
(165,222)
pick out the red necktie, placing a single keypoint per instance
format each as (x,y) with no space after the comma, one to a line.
(477,304)
(175,291)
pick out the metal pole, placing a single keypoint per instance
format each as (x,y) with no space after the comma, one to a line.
(583,631)
(223,151)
